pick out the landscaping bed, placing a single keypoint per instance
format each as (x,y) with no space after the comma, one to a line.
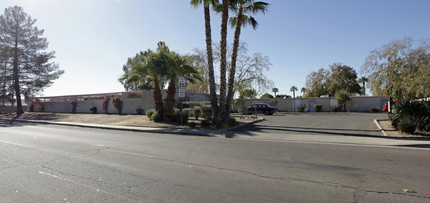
(390,131)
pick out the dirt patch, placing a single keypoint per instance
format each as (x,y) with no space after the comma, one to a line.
(392,132)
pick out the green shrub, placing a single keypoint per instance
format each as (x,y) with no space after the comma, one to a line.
(140,111)
(406,114)
(205,123)
(74,105)
(407,126)
(231,121)
(301,108)
(318,107)
(117,103)
(375,110)
(188,110)
(181,115)
(206,111)
(156,117)
(149,113)
(197,112)
(105,103)
(93,109)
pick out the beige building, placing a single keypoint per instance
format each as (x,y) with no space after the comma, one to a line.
(131,101)
(143,99)
(355,104)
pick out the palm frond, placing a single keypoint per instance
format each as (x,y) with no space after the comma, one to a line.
(195,3)
(217,7)
(258,7)
(233,22)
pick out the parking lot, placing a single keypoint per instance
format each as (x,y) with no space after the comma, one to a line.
(321,123)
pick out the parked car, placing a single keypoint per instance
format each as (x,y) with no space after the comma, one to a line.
(262,108)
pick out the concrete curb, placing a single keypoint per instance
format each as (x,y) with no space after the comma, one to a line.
(376,121)
(193,132)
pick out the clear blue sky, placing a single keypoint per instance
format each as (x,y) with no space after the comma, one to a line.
(94,38)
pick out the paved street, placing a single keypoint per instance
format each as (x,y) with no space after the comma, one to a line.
(49,163)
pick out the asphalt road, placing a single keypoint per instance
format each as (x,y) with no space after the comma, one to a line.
(48,163)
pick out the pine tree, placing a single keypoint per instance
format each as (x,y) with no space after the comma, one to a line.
(31,65)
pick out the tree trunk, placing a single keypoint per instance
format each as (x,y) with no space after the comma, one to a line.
(4,91)
(212,86)
(19,110)
(232,71)
(169,102)
(158,98)
(223,65)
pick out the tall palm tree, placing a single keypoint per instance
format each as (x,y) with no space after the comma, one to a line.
(157,66)
(303,90)
(242,8)
(178,67)
(208,32)
(294,89)
(275,90)
(363,80)
(223,63)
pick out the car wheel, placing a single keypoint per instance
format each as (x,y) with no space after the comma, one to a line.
(266,112)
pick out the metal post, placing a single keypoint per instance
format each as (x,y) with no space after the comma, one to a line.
(181,111)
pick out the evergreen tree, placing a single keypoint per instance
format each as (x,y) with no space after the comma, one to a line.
(32,69)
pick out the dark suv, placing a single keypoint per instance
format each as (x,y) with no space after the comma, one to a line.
(262,108)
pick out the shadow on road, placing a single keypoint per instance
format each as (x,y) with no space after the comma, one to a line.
(12,123)
(9,121)
(254,130)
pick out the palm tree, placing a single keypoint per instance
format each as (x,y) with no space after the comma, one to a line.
(275,90)
(242,8)
(303,90)
(135,75)
(146,67)
(157,68)
(363,80)
(294,89)
(223,63)
(178,67)
(208,31)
